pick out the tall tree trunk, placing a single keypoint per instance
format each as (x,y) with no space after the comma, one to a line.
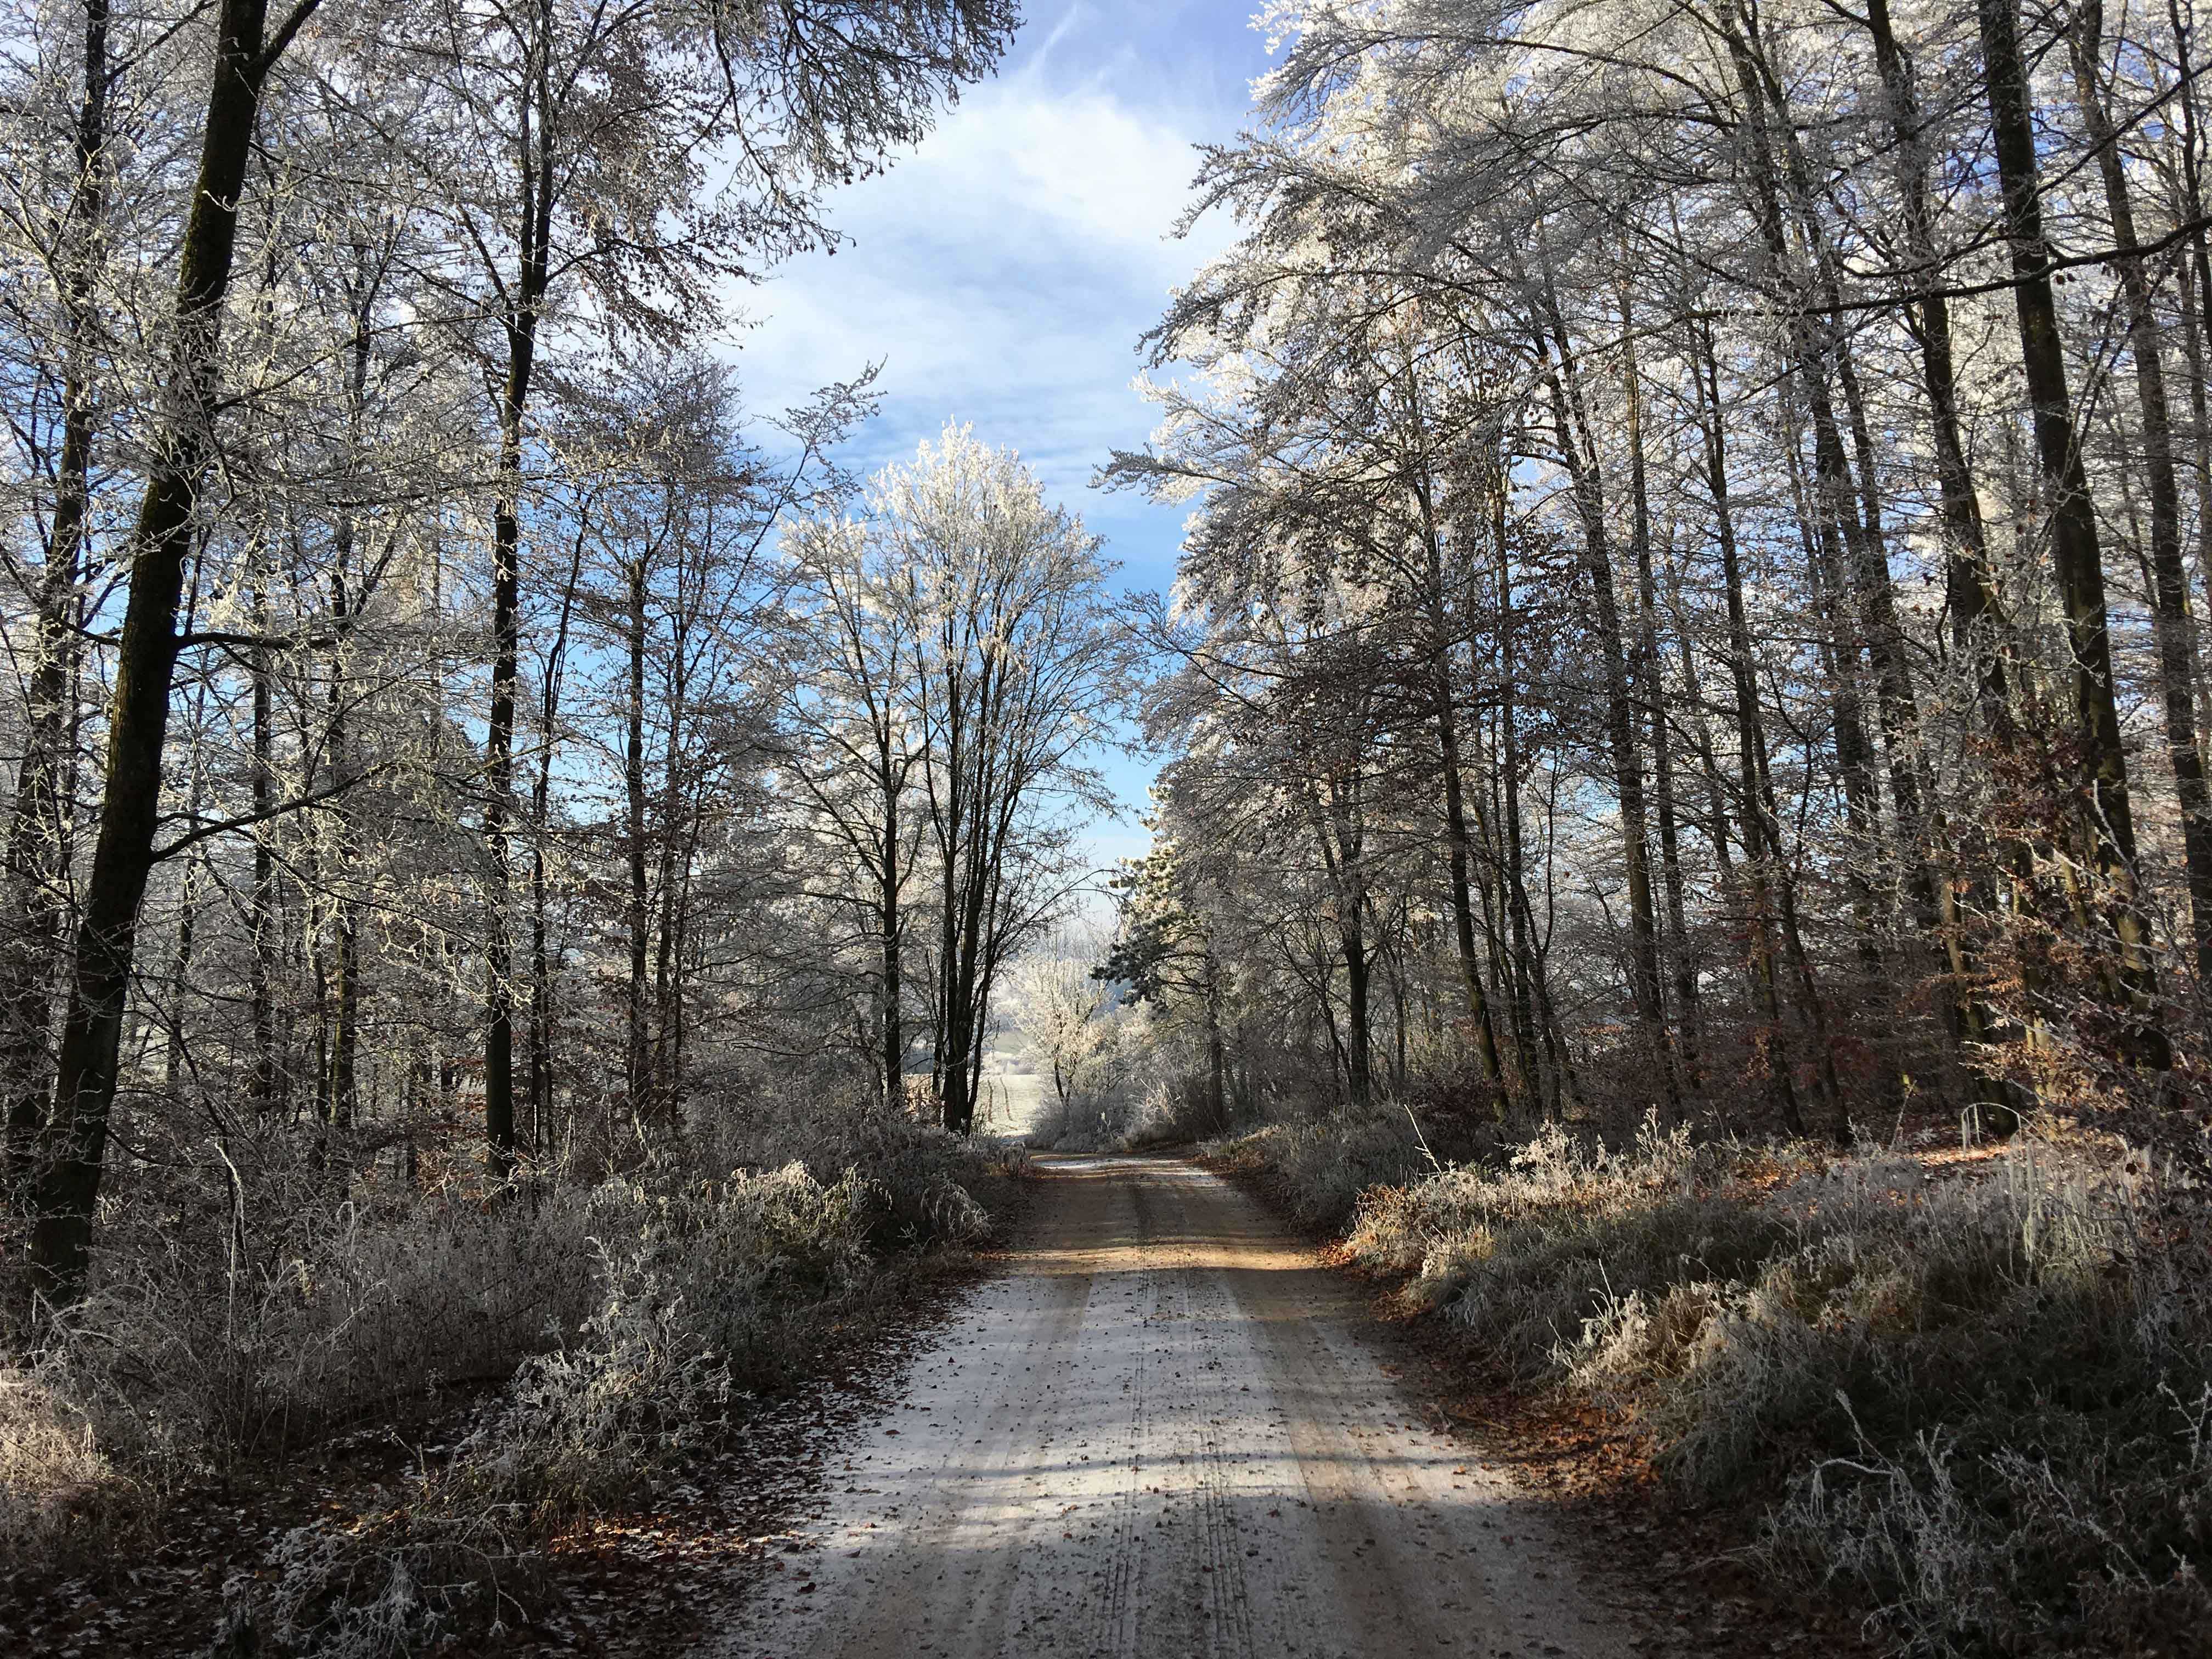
(1579,451)
(1456,833)
(2107,824)
(188,899)
(1216,1104)
(267,1074)
(541,800)
(344,1086)
(1980,632)
(1822,546)
(1441,653)
(343,1091)
(2198,367)
(525,297)
(2198,265)
(637,918)
(1359,1043)
(521,328)
(2170,582)
(681,811)
(73,1144)
(1767,872)
(1843,540)
(34,863)
(1652,688)
(1542,1084)
(891,925)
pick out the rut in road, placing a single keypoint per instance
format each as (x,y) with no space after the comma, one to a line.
(1159,1433)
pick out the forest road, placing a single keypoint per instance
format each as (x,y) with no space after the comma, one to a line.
(1159,1432)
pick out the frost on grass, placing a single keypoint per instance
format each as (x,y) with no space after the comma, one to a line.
(1981,1395)
(50,1459)
(604,1332)
(701,1295)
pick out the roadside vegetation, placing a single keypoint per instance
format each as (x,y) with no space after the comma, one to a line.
(544,1350)
(1972,1385)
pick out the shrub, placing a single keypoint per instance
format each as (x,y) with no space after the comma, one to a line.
(601,1331)
(51,1464)
(1981,1396)
(696,1298)
(699,1292)
(1322,1169)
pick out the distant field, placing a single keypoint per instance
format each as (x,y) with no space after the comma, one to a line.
(1014,1097)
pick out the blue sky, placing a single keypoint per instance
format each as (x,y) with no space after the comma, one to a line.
(1002,272)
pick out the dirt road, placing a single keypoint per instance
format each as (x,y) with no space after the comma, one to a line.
(1159,1434)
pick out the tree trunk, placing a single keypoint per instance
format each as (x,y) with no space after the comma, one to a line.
(891,879)
(1767,871)
(1216,1103)
(1359,1044)
(637,917)
(2107,822)
(35,862)
(267,1081)
(1441,653)
(74,1145)
(1528,991)
(2170,582)
(1470,962)
(541,799)
(1580,456)
(675,866)
(506,600)
(343,1092)
(1980,632)
(1652,687)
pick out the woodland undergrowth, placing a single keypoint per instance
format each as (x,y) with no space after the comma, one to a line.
(584,1336)
(1972,1383)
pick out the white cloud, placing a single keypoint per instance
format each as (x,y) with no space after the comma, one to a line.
(1003,274)
(1004,271)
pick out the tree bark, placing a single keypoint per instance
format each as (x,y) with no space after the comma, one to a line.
(266,1085)
(2107,822)
(637,919)
(1546,1079)
(1652,688)
(1579,454)
(2170,582)
(34,864)
(534,228)
(541,795)
(1767,872)
(74,1145)
(1455,834)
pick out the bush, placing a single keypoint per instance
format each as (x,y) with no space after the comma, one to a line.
(185,1363)
(924,1182)
(1981,1395)
(51,1464)
(697,1299)
(1321,1170)
(1172,1111)
(589,1336)
(700,1293)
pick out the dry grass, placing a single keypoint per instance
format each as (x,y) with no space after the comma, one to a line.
(1974,1388)
(605,1333)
